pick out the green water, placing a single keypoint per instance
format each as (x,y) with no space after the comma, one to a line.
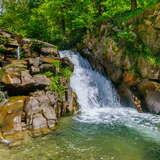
(74,140)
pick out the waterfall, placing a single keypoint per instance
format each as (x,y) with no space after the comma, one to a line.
(18,53)
(98,100)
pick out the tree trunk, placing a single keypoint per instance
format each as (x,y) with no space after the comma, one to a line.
(133,5)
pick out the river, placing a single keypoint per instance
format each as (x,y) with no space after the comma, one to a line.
(103,129)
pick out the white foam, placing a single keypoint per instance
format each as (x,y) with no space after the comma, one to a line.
(99,102)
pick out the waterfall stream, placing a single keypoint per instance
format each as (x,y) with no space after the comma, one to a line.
(99,102)
(18,53)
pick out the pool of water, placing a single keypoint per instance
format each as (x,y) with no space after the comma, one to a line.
(74,140)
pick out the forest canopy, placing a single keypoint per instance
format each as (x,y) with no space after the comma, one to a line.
(62,22)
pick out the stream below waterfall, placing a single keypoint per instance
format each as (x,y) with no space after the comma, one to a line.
(103,129)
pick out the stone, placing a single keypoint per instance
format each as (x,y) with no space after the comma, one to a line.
(130,79)
(10,115)
(153,101)
(39,103)
(49,60)
(47,67)
(67,62)
(157,22)
(41,80)
(49,51)
(148,70)
(39,121)
(26,78)
(34,61)
(35,70)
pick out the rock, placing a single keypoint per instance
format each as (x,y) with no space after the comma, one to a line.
(26,78)
(67,62)
(157,22)
(47,67)
(153,101)
(148,70)
(35,70)
(40,112)
(51,51)
(12,72)
(16,76)
(130,79)
(113,52)
(49,60)
(34,61)
(41,80)
(39,121)
(10,115)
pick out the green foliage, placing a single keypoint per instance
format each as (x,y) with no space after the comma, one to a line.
(1,74)
(56,78)
(57,64)
(66,72)
(127,34)
(3,40)
(64,22)
(2,49)
(36,46)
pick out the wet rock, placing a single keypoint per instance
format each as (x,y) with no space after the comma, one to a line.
(10,115)
(153,101)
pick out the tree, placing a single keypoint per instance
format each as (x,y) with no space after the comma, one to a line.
(133,5)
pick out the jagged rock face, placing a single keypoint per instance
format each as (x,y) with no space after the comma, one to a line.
(111,56)
(148,28)
(40,112)
(31,108)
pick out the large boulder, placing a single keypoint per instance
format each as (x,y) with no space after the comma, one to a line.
(40,112)
(11,115)
(153,101)
(148,70)
(151,92)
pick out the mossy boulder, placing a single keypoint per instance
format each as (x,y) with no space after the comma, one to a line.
(10,115)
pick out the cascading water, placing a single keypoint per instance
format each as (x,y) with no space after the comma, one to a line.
(18,53)
(99,102)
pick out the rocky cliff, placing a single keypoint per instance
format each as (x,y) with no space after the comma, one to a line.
(34,88)
(129,53)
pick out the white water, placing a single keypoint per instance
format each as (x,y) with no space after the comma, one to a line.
(18,53)
(99,102)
